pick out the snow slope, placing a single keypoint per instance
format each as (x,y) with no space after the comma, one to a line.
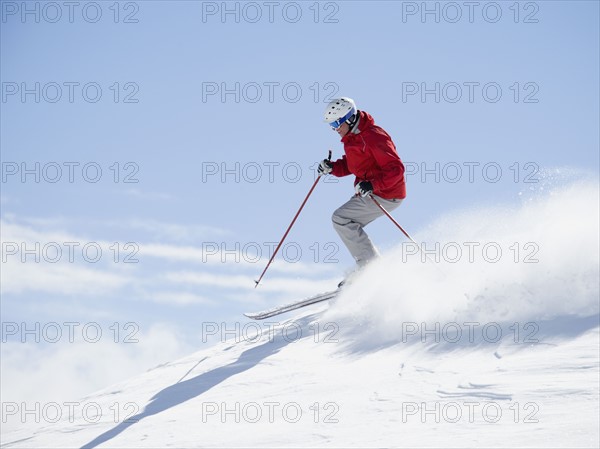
(463,353)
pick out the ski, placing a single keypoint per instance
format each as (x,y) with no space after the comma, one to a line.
(292,306)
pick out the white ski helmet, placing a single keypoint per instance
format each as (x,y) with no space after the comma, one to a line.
(339,110)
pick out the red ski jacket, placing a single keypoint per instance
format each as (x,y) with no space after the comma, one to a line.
(371,156)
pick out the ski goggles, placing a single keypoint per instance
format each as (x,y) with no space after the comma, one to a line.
(337,123)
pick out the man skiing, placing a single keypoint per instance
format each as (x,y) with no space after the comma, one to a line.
(371,156)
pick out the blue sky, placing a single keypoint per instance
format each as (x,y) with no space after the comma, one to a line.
(168,131)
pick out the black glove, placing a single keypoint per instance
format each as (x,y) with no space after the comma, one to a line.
(325,167)
(364,188)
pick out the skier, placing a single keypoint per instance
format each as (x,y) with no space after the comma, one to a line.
(371,156)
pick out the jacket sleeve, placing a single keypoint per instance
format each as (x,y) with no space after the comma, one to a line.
(391,168)
(340,167)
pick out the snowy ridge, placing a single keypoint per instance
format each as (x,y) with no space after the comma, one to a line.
(462,354)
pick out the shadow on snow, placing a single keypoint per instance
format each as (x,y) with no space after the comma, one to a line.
(183,391)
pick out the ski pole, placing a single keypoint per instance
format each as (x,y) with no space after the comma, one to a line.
(396,223)
(290,226)
(392,218)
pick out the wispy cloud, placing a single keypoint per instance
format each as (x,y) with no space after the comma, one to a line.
(292,286)
(67,279)
(215,274)
(155,229)
(177,298)
(145,195)
(172,231)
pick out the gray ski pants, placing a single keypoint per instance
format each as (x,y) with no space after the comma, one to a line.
(350,219)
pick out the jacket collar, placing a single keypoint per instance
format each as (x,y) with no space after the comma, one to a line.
(364,121)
